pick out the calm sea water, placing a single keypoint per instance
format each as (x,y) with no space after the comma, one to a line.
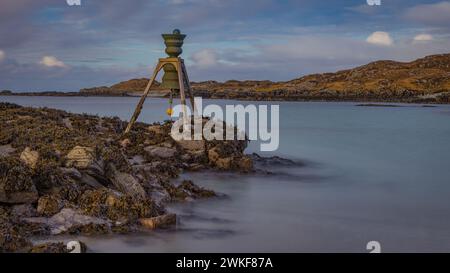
(369,173)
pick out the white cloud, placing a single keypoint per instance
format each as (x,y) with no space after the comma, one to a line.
(2,55)
(380,38)
(205,58)
(51,61)
(423,38)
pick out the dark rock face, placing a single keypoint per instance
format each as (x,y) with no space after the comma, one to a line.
(68,173)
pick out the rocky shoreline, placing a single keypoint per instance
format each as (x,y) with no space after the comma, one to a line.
(278,95)
(63,173)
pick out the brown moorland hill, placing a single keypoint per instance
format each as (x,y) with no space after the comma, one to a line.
(423,80)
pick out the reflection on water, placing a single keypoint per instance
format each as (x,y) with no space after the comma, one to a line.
(366,173)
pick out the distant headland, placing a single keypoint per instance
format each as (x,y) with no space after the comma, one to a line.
(425,80)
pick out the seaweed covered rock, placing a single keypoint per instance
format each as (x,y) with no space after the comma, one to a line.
(11,238)
(162,221)
(245,164)
(187,190)
(48,175)
(109,204)
(49,205)
(51,247)
(16,185)
(228,156)
(14,232)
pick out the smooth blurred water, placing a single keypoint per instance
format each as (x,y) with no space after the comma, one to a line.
(369,173)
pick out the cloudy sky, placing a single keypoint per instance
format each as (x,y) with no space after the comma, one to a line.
(49,45)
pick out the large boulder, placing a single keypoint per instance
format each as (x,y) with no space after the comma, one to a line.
(16,184)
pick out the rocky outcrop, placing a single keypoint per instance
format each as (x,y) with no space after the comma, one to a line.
(78,174)
(188,191)
(119,208)
(229,156)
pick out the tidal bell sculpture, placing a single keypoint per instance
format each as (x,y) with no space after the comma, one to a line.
(175,77)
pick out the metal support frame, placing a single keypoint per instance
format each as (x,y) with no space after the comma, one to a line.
(183,78)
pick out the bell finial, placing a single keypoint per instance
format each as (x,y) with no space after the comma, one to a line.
(173,43)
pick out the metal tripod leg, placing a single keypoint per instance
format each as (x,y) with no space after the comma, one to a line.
(144,96)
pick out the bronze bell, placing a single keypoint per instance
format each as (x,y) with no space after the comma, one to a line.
(173,43)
